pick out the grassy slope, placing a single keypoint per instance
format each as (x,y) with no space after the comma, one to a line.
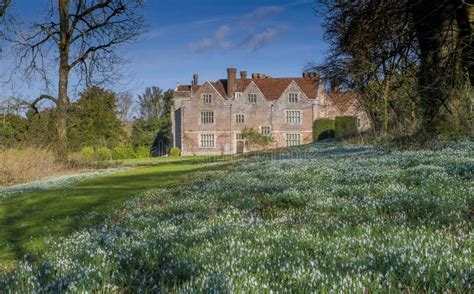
(27,219)
(319,218)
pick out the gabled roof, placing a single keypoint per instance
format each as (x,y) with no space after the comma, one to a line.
(343,100)
(186,88)
(272,88)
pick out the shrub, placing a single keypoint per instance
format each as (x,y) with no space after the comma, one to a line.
(103,154)
(323,128)
(254,138)
(123,152)
(88,154)
(142,152)
(175,151)
(345,126)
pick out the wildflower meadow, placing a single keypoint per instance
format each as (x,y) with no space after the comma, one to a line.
(318,219)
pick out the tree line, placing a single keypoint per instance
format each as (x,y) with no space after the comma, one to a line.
(98,118)
(412,62)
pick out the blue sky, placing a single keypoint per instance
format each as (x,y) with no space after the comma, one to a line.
(276,37)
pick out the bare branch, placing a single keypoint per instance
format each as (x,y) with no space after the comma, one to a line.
(40,98)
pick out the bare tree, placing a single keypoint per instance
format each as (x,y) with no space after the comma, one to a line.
(3,6)
(373,52)
(380,47)
(76,37)
(445,30)
(125,106)
(151,103)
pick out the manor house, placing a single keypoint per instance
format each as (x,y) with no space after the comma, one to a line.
(208,118)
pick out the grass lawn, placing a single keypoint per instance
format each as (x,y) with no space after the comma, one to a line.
(27,219)
(319,218)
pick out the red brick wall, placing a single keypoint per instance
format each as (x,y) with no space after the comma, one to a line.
(263,112)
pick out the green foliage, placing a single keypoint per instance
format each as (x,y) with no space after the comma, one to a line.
(93,194)
(254,138)
(12,130)
(323,128)
(153,133)
(88,153)
(41,130)
(94,120)
(103,154)
(142,152)
(175,151)
(345,126)
(153,128)
(123,152)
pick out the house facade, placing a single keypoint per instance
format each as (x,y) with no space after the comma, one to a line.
(208,118)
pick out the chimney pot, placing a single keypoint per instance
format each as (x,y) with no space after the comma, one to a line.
(243,75)
(195,79)
(231,81)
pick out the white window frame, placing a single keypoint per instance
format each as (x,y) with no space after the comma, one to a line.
(237,94)
(240,118)
(239,137)
(269,130)
(203,120)
(292,139)
(291,117)
(252,97)
(207,98)
(206,142)
(293,97)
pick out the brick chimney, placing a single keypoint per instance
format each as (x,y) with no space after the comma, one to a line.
(243,75)
(231,81)
(310,74)
(195,79)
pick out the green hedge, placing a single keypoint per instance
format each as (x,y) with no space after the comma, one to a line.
(345,126)
(89,153)
(123,152)
(323,128)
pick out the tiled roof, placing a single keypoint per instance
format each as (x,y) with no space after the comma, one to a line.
(343,100)
(272,88)
(183,88)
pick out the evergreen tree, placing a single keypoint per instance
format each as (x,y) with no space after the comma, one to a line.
(94,120)
(153,127)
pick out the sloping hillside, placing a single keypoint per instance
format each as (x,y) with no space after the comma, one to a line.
(319,218)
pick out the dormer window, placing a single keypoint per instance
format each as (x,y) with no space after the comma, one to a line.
(252,98)
(207,98)
(293,97)
(237,94)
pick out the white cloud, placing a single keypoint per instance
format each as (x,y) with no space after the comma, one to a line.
(218,41)
(251,20)
(255,34)
(259,40)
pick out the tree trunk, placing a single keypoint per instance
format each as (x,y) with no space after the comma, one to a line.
(62,112)
(442,73)
(386,92)
(63,100)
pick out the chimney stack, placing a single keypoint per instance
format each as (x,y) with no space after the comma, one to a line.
(231,81)
(311,74)
(243,75)
(195,79)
